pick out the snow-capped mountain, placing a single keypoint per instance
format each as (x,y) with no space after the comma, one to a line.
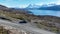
(38,6)
(47,5)
(51,4)
(33,6)
(51,7)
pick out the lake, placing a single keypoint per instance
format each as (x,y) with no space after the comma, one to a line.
(46,12)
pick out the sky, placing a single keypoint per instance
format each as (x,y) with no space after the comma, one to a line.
(25,3)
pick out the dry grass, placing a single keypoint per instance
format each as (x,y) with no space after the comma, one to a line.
(45,25)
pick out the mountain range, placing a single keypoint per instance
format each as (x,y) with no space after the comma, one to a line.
(33,6)
(44,7)
(38,6)
(55,7)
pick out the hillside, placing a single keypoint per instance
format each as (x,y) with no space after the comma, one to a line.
(50,23)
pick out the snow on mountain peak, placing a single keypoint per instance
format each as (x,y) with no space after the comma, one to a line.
(38,6)
(33,6)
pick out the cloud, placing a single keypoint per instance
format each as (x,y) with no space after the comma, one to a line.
(23,6)
(57,2)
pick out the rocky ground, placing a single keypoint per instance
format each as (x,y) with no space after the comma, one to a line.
(4,29)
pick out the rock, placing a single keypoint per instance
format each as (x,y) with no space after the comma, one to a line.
(23,21)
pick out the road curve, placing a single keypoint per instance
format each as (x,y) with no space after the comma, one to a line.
(25,28)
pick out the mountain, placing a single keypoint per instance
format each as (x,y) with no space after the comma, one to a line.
(2,7)
(32,6)
(55,8)
(47,5)
(13,10)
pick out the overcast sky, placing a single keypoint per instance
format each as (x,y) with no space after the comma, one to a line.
(24,3)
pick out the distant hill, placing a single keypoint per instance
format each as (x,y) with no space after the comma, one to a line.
(55,8)
(17,10)
(2,7)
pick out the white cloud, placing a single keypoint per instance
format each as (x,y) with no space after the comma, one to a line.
(53,2)
(57,2)
(23,6)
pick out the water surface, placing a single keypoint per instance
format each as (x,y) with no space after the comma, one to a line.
(46,12)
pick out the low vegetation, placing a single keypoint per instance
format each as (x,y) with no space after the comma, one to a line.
(47,25)
(43,25)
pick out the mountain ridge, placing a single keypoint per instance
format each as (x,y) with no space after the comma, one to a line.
(55,7)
